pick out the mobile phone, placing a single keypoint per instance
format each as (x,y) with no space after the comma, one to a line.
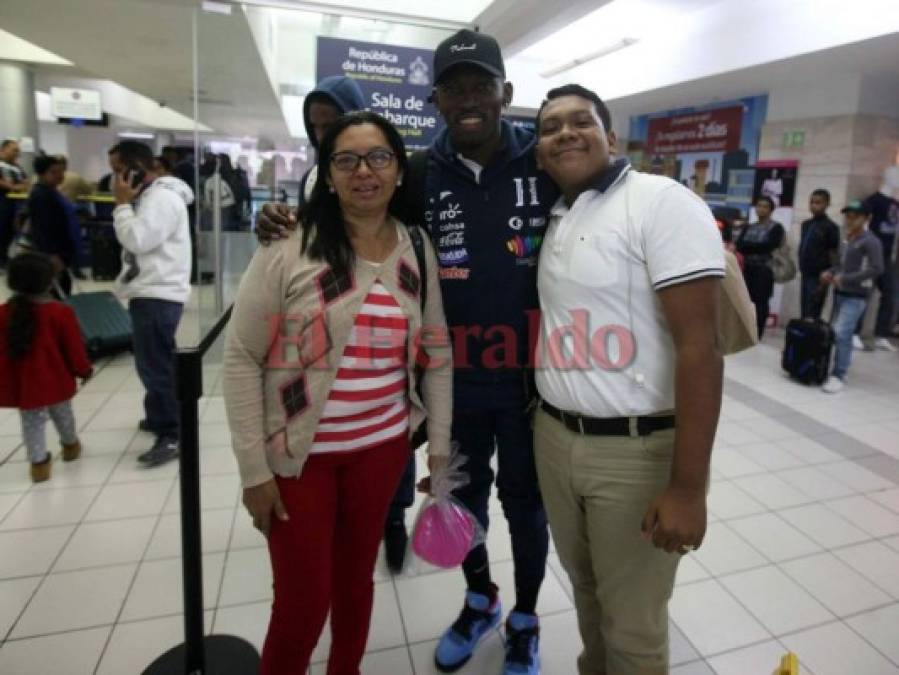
(137,177)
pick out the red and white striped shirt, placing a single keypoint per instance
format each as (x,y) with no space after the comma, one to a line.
(367,404)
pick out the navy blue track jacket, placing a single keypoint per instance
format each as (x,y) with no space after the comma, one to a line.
(487,233)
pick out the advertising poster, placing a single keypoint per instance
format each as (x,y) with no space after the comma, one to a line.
(396,82)
(777,180)
(710,149)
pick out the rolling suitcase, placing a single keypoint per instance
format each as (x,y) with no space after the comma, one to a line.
(106,253)
(808,350)
(105,324)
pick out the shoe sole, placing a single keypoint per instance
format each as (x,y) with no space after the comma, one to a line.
(458,666)
(150,463)
(452,669)
(153,465)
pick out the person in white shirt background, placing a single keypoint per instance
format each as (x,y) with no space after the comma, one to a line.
(152,225)
(630,376)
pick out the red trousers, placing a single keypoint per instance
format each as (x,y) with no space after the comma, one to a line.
(323,558)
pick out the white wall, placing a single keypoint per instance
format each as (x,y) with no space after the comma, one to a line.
(826,97)
(725,37)
(880,94)
(52,138)
(88,147)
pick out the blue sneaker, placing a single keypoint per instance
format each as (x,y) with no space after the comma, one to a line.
(477,619)
(522,645)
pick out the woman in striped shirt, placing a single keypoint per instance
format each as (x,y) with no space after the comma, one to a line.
(321,388)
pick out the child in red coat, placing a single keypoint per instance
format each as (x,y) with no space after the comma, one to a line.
(41,353)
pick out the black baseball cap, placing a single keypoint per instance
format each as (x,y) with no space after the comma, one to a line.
(467,46)
(856,206)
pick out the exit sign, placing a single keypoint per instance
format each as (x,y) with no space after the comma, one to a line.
(794,139)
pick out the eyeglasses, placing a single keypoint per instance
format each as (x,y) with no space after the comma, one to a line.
(348,161)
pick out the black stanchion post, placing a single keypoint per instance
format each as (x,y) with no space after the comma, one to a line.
(189,365)
(215,654)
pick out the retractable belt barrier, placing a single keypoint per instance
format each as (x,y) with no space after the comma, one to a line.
(212,654)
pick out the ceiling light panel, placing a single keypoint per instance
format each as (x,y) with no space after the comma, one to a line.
(611,24)
(14,48)
(459,11)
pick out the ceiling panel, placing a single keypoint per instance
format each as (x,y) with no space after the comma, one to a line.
(457,11)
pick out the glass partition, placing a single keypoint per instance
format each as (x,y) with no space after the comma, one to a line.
(254,66)
(218,89)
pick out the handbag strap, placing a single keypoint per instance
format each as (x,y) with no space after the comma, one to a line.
(418,245)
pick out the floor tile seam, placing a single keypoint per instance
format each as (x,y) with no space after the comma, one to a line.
(785,561)
(55,633)
(824,502)
(865,639)
(14,506)
(729,575)
(848,626)
(780,443)
(228,549)
(832,551)
(106,482)
(875,582)
(132,581)
(87,568)
(56,558)
(379,650)
(726,521)
(807,420)
(752,614)
(796,579)
(399,609)
(258,599)
(860,527)
(559,580)
(43,579)
(93,521)
(732,650)
(777,637)
(806,465)
(81,428)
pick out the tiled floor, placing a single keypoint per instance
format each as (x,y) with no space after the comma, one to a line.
(802,551)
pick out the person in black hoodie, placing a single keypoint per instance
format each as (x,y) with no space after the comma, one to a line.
(819,243)
(486,205)
(50,227)
(331,98)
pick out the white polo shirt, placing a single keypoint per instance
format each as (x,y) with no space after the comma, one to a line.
(605,349)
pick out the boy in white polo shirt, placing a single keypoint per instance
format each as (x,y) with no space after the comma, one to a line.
(630,378)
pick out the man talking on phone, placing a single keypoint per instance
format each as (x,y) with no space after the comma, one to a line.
(152,225)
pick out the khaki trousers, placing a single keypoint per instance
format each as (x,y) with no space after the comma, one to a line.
(596,490)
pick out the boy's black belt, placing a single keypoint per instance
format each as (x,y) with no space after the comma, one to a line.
(610,426)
